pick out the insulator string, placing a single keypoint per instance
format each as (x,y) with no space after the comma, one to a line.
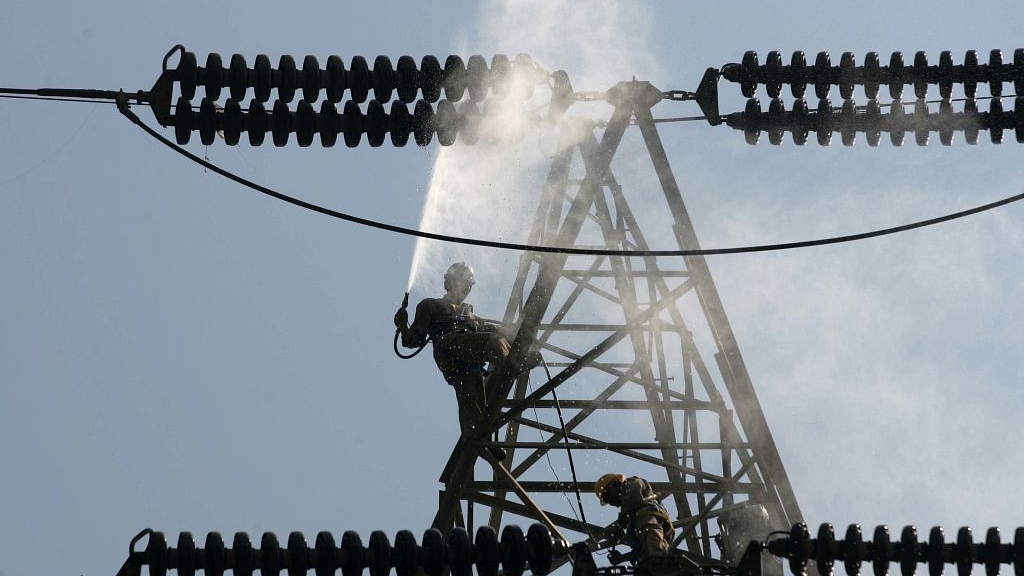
(458,552)
(908,550)
(872,74)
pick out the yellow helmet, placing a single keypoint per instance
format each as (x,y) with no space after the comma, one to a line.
(603,482)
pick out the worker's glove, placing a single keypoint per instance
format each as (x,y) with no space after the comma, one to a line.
(401,318)
(615,557)
(616,533)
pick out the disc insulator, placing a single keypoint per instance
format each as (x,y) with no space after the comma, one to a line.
(539,549)
(872,75)
(773,74)
(801,121)
(897,129)
(798,74)
(305,120)
(401,124)
(257,123)
(454,78)
(995,73)
(423,123)
(183,121)
(945,122)
(513,550)
(872,132)
(188,75)
(270,555)
(752,120)
(326,554)
(238,77)
(776,121)
(822,75)
(896,75)
(383,79)
(241,550)
(882,549)
(430,78)
(971,72)
(854,550)
(207,121)
(336,79)
(262,78)
(446,123)
(995,121)
(935,551)
(945,72)
(920,74)
(376,123)
(908,551)
(186,554)
(311,81)
(921,124)
(213,76)
(358,79)
(378,550)
(296,554)
(433,552)
(156,554)
(280,123)
(287,79)
(407,551)
(823,123)
(352,124)
(353,558)
(330,124)
(233,122)
(847,75)
(748,74)
(501,70)
(476,78)
(485,550)
(825,548)
(406,79)
(972,121)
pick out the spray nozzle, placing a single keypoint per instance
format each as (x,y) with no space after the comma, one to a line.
(402,316)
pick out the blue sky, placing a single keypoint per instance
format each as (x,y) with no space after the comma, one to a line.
(181,353)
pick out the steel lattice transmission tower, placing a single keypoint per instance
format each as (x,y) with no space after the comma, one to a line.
(646,376)
(648,372)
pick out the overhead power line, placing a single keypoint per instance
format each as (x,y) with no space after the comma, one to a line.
(123,107)
(121,99)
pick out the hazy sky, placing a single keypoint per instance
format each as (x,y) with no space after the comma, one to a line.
(179,352)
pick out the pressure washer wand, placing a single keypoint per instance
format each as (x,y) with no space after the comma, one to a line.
(401,318)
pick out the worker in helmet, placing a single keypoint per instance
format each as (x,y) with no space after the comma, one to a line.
(463,343)
(643,520)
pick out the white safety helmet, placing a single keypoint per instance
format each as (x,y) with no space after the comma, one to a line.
(458,271)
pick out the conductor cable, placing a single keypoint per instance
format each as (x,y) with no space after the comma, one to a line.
(122,106)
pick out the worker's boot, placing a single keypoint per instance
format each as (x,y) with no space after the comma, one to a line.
(531,359)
